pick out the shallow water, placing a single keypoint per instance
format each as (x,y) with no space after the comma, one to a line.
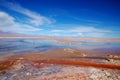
(18,46)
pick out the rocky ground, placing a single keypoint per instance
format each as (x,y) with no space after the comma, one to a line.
(21,69)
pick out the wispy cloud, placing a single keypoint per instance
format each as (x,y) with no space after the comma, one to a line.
(83,31)
(58,30)
(34,18)
(8,24)
(88,29)
(86,20)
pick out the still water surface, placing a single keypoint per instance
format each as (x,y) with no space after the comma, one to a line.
(19,46)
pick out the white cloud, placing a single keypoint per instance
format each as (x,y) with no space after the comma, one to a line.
(79,34)
(5,19)
(95,34)
(8,24)
(83,31)
(34,18)
(87,29)
(58,30)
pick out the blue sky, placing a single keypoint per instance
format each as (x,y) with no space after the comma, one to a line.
(73,18)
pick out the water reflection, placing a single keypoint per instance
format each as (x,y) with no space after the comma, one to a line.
(17,46)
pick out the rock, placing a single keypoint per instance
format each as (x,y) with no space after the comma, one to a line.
(84,54)
(110,56)
(69,50)
(105,75)
(114,57)
(111,60)
(21,58)
(28,73)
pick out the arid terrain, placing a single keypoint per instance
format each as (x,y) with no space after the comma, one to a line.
(52,66)
(29,60)
(59,39)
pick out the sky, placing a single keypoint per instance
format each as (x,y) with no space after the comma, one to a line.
(71,18)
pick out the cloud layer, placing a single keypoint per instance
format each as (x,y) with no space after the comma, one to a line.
(36,24)
(83,31)
(34,18)
(8,24)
